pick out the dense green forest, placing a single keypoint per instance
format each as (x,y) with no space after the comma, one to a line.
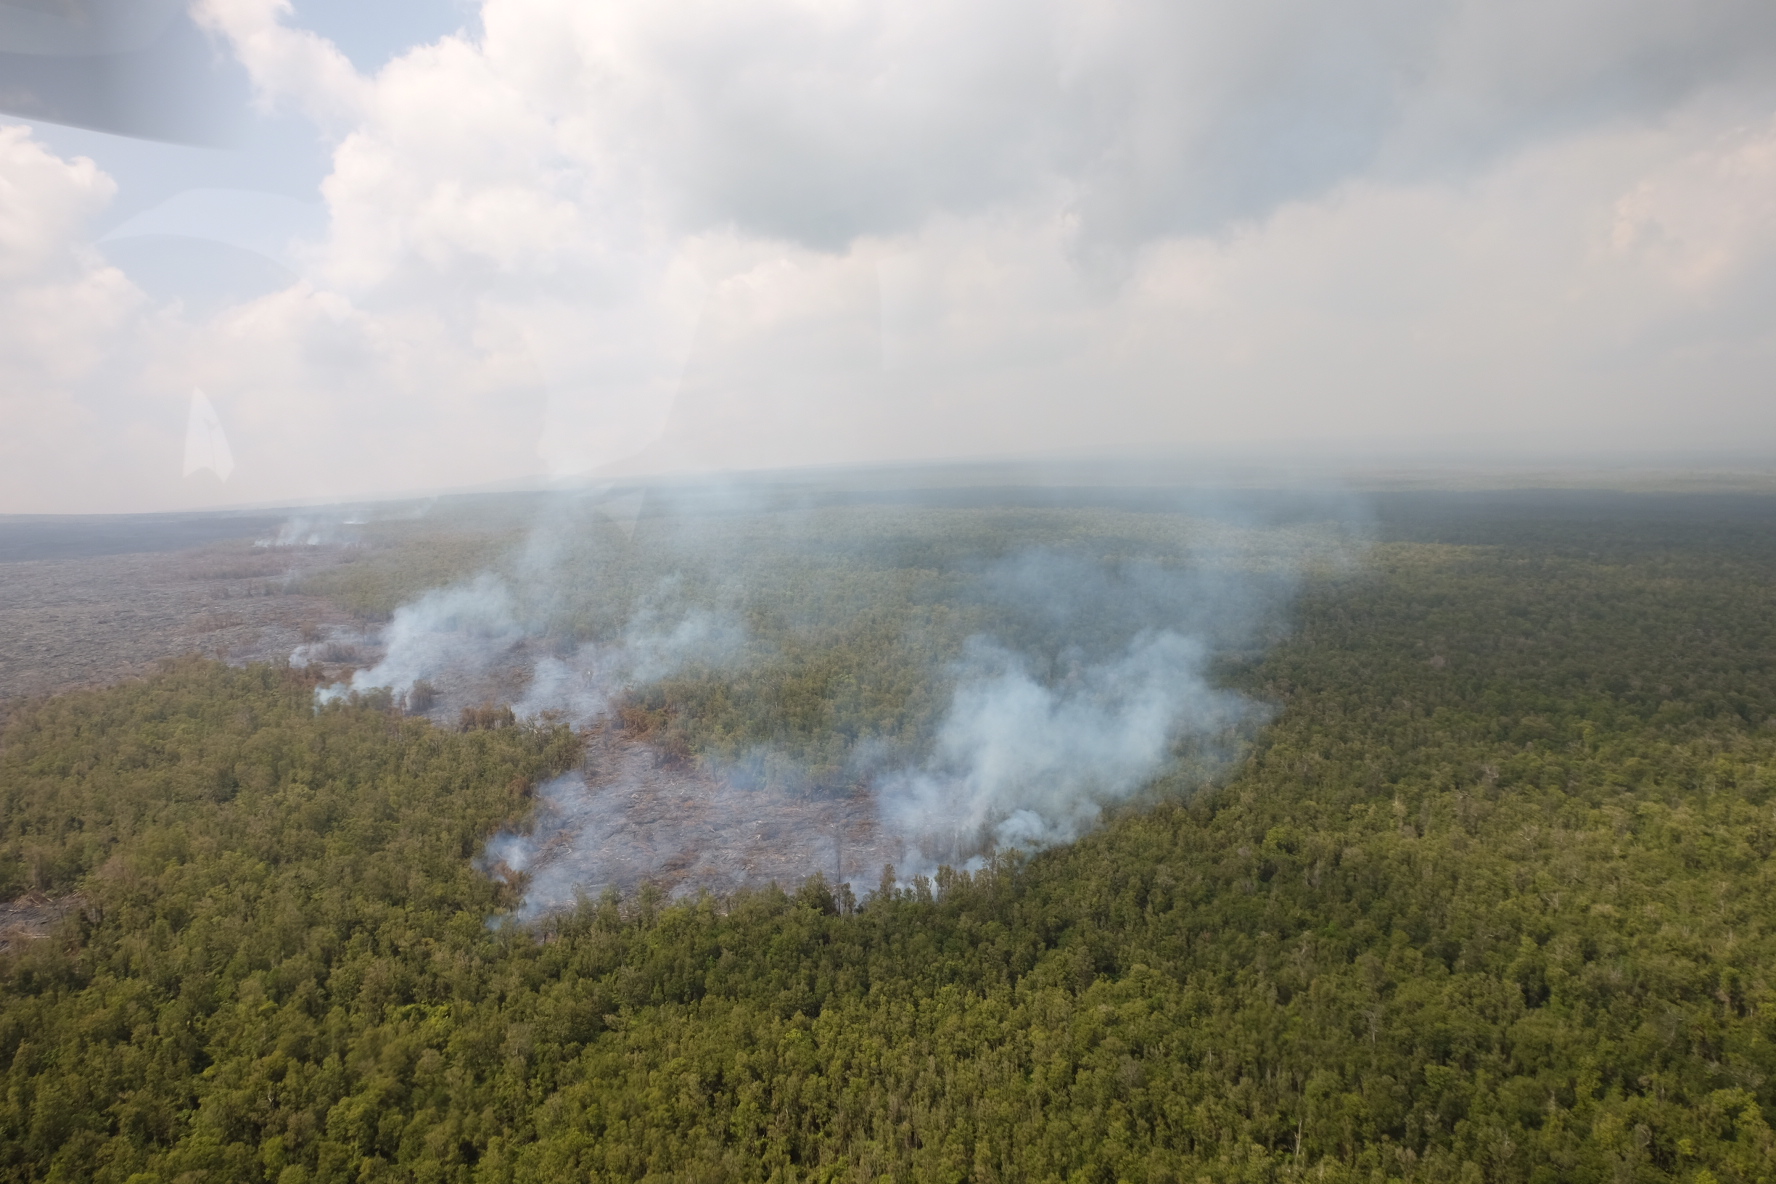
(1490,899)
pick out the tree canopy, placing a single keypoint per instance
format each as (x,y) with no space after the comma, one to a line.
(1490,899)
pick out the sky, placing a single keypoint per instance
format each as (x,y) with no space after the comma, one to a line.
(442,245)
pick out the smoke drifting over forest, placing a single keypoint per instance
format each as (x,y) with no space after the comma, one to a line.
(939,683)
(1095,675)
(472,633)
(1024,764)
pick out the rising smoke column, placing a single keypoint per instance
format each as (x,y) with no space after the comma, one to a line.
(460,633)
(1021,763)
(1098,674)
(499,630)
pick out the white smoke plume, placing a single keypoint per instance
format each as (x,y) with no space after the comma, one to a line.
(1093,680)
(312,530)
(458,633)
(580,688)
(481,639)
(1084,672)
(564,811)
(1018,763)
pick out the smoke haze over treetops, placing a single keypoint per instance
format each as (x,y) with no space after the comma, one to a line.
(768,691)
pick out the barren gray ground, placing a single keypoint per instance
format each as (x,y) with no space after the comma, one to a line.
(626,818)
(67,623)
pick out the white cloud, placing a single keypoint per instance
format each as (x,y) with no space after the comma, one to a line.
(1512,306)
(1708,216)
(287,64)
(914,230)
(59,309)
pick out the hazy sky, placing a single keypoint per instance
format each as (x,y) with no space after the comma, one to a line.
(458,245)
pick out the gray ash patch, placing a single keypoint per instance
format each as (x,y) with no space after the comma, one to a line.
(67,623)
(629,818)
(33,917)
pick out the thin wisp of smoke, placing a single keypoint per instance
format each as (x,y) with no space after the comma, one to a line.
(312,531)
